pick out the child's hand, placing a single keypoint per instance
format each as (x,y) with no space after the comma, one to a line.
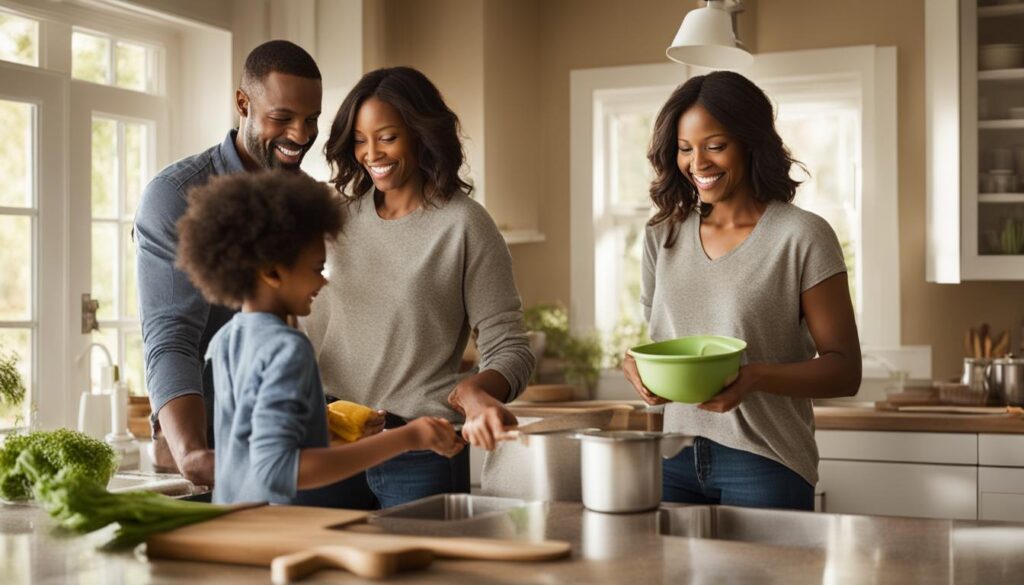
(374,424)
(435,434)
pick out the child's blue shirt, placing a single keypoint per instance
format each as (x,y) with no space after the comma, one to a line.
(269,405)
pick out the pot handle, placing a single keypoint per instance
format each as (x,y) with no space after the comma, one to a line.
(673,443)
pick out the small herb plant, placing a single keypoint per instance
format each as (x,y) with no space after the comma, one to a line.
(582,356)
(12,387)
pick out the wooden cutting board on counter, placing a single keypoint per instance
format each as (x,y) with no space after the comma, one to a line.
(295,541)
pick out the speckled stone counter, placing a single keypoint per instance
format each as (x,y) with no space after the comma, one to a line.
(849,418)
(619,549)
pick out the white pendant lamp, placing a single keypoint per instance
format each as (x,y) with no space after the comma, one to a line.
(706,39)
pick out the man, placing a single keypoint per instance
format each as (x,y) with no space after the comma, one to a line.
(278,103)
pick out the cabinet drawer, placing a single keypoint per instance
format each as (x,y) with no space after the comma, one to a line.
(900,489)
(953,448)
(1004,507)
(1001,450)
(1001,479)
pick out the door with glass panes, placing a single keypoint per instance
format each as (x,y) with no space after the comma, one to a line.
(117,119)
(32,240)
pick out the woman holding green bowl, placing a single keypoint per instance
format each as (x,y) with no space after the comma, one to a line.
(728,253)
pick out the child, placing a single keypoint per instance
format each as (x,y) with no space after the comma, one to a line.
(256,241)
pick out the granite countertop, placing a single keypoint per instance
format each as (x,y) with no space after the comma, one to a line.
(862,418)
(607,548)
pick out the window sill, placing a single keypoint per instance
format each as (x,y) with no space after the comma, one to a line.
(513,237)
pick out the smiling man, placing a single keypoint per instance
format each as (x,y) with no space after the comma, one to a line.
(278,103)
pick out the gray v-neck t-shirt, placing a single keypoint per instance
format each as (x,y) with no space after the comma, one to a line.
(751,293)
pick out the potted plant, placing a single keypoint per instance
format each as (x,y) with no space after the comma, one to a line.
(565,358)
(12,387)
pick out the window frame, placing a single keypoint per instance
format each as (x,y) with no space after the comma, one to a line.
(875,68)
(64,197)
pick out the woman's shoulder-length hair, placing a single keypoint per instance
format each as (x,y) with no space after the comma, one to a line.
(433,125)
(746,112)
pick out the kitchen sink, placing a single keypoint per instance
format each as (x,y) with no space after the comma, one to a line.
(465,515)
(763,526)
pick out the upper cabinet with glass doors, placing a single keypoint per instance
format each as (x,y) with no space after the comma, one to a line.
(975,139)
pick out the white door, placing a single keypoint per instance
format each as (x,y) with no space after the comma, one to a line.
(120,136)
(32,238)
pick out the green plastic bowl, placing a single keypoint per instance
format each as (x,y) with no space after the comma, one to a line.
(689,369)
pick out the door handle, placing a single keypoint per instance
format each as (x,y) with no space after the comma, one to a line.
(89,308)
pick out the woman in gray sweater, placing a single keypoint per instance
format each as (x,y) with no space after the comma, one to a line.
(418,266)
(727,253)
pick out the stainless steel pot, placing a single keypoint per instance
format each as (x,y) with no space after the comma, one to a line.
(555,466)
(621,470)
(1005,378)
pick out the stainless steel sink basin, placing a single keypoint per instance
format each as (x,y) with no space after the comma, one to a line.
(773,527)
(465,515)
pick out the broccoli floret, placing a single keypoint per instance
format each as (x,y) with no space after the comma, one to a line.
(56,451)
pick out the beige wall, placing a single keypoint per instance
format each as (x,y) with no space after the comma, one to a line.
(589,33)
(511,105)
(444,40)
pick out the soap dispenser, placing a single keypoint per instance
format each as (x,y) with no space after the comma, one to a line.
(120,438)
(94,404)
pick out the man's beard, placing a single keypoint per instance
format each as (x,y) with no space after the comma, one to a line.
(263,153)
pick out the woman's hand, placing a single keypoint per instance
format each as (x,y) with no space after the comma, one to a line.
(374,424)
(735,390)
(633,375)
(436,434)
(486,417)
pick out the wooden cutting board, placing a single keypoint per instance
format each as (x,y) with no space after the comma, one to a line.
(304,539)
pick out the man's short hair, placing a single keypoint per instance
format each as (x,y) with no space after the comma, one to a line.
(277,56)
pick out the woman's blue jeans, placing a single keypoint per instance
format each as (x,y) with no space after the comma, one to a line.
(710,473)
(418,474)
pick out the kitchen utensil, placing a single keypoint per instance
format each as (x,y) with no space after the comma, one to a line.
(1001,56)
(621,470)
(258,536)
(611,417)
(956,409)
(553,452)
(974,373)
(689,369)
(357,560)
(1005,378)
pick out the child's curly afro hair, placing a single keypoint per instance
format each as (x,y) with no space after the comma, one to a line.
(237,224)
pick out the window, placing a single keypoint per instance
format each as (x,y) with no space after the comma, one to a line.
(18,213)
(835,110)
(86,95)
(19,39)
(108,61)
(122,164)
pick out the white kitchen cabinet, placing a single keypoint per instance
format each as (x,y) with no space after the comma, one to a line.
(902,447)
(1001,494)
(899,489)
(970,133)
(1004,450)
(926,475)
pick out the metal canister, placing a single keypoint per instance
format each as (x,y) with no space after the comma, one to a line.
(1005,378)
(976,373)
